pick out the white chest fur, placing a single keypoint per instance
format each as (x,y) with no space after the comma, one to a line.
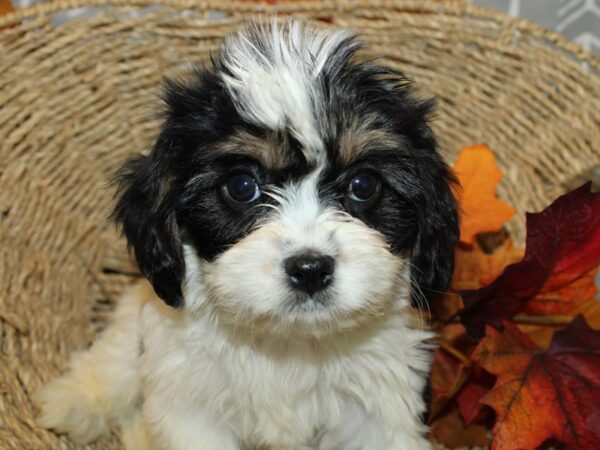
(356,390)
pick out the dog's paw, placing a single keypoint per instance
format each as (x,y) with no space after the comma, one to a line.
(65,408)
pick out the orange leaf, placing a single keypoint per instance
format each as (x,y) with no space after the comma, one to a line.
(5,6)
(542,334)
(450,431)
(563,245)
(562,300)
(468,400)
(447,377)
(590,310)
(541,395)
(475,268)
(481,211)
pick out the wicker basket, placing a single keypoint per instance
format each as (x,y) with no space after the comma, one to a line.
(77,99)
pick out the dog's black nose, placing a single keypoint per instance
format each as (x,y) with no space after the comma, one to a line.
(309,272)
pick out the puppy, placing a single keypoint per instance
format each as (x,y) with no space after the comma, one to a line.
(293,208)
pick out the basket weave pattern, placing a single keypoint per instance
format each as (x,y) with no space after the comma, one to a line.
(77,99)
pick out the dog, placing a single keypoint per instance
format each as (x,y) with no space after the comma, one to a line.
(290,218)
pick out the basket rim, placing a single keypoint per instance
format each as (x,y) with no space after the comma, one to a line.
(457,8)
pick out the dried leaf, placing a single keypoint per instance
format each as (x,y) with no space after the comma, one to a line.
(590,310)
(542,334)
(451,369)
(447,376)
(563,243)
(450,431)
(564,299)
(476,268)
(474,389)
(473,268)
(478,175)
(541,395)
(5,6)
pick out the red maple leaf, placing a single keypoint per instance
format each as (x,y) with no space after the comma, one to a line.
(563,243)
(551,300)
(541,395)
(474,389)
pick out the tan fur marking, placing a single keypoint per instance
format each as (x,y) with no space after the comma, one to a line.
(271,152)
(359,139)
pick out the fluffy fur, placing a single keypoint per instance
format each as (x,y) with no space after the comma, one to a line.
(236,355)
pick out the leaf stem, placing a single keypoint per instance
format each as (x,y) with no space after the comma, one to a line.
(555,320)
(447,347)
(543,320)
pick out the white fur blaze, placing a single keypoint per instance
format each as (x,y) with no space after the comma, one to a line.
(273,77)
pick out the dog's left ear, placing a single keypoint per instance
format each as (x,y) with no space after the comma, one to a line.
(433,254)
(145,211)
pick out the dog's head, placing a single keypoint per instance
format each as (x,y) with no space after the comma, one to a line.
(291,185)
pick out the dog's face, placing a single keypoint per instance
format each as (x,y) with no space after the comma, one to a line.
(299,188)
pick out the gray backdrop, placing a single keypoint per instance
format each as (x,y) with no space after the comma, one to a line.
(579,20)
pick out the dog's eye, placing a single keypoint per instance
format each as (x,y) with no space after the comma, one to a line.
(242,188)
(363,187)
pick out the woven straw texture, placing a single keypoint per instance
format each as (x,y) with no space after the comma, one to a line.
(77,99)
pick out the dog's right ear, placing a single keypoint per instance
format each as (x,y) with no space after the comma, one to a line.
(145,211)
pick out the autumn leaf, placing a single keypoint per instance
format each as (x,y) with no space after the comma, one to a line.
(476,268)
(478,175)
(447,376)
(542,334)
(450,366)
(540,395)
(5,6)
(535,364)
(468,399)
(563,299)
(590,310)
(450,431)
(563,244)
